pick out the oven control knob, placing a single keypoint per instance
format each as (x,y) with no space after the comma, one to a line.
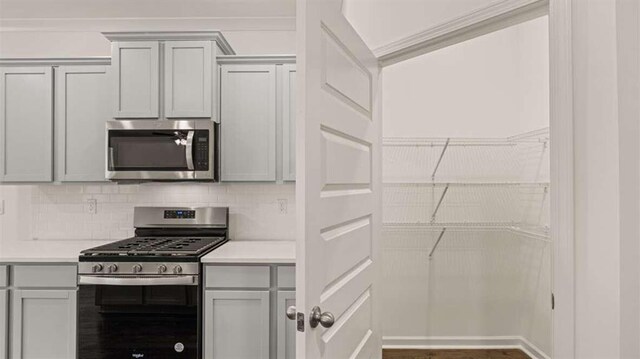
(137,268)
(113,268)
(177,269)
(162,268)
(97,268)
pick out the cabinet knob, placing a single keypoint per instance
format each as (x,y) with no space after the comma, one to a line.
(291,312)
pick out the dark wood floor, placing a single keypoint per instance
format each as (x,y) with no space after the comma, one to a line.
(453,354)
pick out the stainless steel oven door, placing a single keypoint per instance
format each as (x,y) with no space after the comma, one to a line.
(139,317)
(161,150)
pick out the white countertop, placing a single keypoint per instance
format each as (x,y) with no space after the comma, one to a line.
(44,251)
(253,252)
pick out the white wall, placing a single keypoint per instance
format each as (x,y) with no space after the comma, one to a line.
(496,85)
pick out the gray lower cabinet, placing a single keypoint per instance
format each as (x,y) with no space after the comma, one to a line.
(4,322)
(81,114)
(26,124)
(237,324)
(286,328)
(43,324)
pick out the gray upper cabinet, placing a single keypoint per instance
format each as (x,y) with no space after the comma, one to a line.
(81,113)
(288,101)
(188,69)
(248,122)
(166,75)
(4,322)
(136,74)
(43,324)
(26,124)
(236,324)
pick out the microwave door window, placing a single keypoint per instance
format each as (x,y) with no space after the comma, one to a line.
(151,151)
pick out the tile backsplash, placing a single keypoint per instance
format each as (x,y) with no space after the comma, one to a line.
(61,212)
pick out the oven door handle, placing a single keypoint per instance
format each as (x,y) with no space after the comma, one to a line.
(189,150)
(139,281)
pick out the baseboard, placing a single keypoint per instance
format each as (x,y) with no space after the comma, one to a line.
(504,342)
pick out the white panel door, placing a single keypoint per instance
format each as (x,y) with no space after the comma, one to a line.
(188,67)
(81,113)
(4,323)
(289,122)
(43,324)
(136,79)
(26,124)
(236,324)
(248,122)
(338,184)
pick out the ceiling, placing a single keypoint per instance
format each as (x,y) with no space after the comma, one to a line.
(378,21)
(30,9)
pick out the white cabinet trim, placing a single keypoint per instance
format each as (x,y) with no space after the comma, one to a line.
(216,36)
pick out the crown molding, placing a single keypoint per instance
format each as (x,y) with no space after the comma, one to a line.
(496,16)
(55,61)
(172,36)
(256,59)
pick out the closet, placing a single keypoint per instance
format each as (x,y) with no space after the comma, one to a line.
(466,176)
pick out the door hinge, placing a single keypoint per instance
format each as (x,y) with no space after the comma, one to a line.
(300,322)
(553,302)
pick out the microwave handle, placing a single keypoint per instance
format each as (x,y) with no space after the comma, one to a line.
(189,150)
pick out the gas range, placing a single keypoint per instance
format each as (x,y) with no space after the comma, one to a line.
(150,283)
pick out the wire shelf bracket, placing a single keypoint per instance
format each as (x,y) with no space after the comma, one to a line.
(437,242)
(444,149)
(435,212)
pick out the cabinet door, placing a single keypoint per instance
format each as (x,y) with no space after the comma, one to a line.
(236,324)
(43,324)
(286,327)
(81,113)
(289,122)
(188,67)
(248,122)
(4,322)
(26,124)
(136,74)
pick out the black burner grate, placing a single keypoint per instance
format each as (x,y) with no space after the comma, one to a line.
(157,246)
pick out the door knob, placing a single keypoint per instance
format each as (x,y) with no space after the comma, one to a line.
(291,312)
(325,319)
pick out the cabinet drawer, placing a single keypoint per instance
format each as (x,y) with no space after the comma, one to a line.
(26,276)
(286,277)
(237,276)
(4,281)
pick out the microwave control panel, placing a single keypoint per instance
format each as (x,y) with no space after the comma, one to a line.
(201,150)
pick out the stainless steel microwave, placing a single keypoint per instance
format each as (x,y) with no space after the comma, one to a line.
(162,150)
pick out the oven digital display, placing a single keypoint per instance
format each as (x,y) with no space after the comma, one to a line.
(180,214)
